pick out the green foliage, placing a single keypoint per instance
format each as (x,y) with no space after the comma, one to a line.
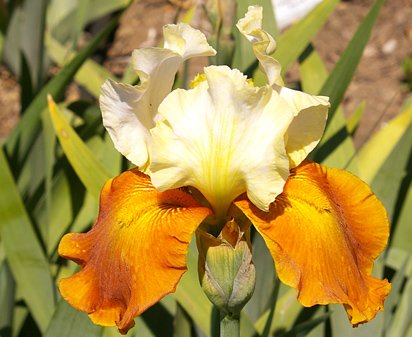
(407,72)
(49,185)
(24,253)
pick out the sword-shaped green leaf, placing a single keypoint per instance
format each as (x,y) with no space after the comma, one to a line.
(23,250)
(92,174)
(20,141)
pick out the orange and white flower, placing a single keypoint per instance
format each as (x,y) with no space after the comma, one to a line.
(243,148)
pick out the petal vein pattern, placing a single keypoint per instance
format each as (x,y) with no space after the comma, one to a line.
(224,138)
(135,253)
(324,231)
(130,111)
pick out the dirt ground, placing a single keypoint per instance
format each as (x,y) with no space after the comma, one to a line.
(378,80)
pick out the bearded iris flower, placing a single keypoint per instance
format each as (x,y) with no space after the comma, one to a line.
(203,155)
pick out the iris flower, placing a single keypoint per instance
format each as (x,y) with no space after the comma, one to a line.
(203,155)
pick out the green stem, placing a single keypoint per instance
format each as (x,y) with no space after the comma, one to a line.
(229,325)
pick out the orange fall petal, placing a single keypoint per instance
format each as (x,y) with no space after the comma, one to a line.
(135,253)
(324,232)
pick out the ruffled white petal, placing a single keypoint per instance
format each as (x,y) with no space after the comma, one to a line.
(306,130)
(186,41)
(129,133)
(262,42)
(130,111)
(224,138)
(310,112)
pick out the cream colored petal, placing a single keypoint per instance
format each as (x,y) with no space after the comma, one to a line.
(224,138)
(307,127)
(130,111)
(310,111)
(128,133)
(186,41)
(262,42)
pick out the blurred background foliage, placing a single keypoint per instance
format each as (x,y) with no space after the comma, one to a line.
(50,185)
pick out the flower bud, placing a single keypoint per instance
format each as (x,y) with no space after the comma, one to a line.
(226,270)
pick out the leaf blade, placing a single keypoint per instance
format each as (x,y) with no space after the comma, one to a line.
(92,174)
(24,252)
(19,142)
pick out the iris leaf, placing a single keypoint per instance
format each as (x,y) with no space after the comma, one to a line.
(182,323)
(191,297)
(400,320)
(69,322)
(49,141)
(20,141)
(304,328)
(397,195)
(287,309)
(91,75)
(7,294)
(24,35)
(336,147)
(355,118)
(340,77)
(395,295)
(24,252)
(376,151)
(92,174)
(265,280)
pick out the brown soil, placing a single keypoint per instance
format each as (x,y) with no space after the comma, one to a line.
(378,80)
(9,102)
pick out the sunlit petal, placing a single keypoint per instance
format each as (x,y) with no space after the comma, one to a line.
(135,253)
(307,127)
(223,137)
(310,111)
(262,42)
(186,41)
(324,232)
(130,111)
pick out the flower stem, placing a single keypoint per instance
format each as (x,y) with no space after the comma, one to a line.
(229,325)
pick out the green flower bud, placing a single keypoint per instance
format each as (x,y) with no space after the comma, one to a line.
(226,270)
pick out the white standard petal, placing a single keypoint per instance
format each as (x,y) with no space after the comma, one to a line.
(224,138)
(130,111)
(310,112)
(129,133)
(307,127)
(262,43)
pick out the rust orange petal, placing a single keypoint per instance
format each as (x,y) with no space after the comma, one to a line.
(135,253)
(324,232)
